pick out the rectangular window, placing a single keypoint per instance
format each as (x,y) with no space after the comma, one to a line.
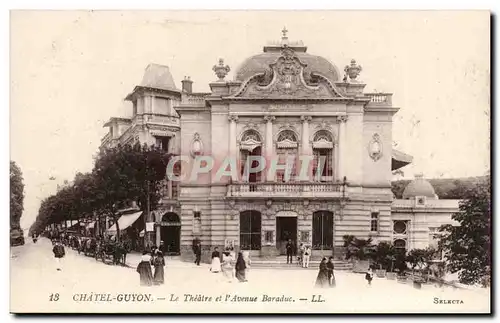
(374,222)
(269,236)
(283,156)
(304,236)
(134,108)
(325,156)
(162,143)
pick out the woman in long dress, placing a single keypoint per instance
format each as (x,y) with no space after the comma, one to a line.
(215,267)
(240,268)
(159,264)
(322,279)
(144,270)
(227,266)
(248,262)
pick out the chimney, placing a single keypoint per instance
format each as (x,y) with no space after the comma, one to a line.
(187,84)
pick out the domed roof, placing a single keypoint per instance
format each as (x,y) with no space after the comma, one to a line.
(419,187)
(260,63)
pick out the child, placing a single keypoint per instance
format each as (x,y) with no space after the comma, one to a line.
(369,276)
(307,256)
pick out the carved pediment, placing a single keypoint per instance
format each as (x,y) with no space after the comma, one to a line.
(322,144)
(286,143)
(285,80)
(250,144)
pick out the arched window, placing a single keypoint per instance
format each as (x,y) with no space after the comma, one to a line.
(170,217)
(323,155)
(287,151)
(323,136)
(287,135)
(251,135)
(250,145)
(250,230)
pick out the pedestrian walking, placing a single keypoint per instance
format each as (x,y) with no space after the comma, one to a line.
(248,262)
(197,253)
(215,266)
(227,266)
(307,257)
(331,275)
(240,268)
(369,276)
(322,278)
(289,251)
(159,264)
(59,254)
(144,270)
(300,258)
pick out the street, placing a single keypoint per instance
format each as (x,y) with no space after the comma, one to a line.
(36,286)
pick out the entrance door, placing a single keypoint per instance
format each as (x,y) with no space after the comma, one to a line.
(171,237)
(170,233)
(322,226)
(286,229)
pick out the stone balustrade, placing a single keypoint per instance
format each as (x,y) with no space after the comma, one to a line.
(285,190)
(380,98)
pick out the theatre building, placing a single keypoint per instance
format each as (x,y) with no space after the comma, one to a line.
(281,103)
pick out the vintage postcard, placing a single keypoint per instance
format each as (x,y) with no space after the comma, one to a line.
(250,162)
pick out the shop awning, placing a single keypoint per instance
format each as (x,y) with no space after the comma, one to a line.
(125,221)
(400,159)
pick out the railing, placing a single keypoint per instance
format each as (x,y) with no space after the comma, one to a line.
(193,99)
(285,190)
(169,120)
(106,138)
(380,98)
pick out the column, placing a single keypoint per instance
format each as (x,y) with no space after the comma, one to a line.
(232,137)
(269,153)
(341,146)
(306,147)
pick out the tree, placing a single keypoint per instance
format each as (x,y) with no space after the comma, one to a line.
(467,246)
(16,195)
(128,173)
(361,249)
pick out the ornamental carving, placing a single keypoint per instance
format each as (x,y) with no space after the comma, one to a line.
(221,70)
(250,140)
(196,146)
(284,79)
(323,139)
(287,139)
(375,147)
(353,71)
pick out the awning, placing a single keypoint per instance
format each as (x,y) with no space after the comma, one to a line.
(125,221)
(400,159)
(70,223)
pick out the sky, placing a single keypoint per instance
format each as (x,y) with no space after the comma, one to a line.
(71,70)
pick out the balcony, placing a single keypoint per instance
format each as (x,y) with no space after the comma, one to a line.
(286,190)
(380,99)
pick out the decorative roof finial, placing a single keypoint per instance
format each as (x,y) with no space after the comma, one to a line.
(284,31)
(221,70)
(353,70)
